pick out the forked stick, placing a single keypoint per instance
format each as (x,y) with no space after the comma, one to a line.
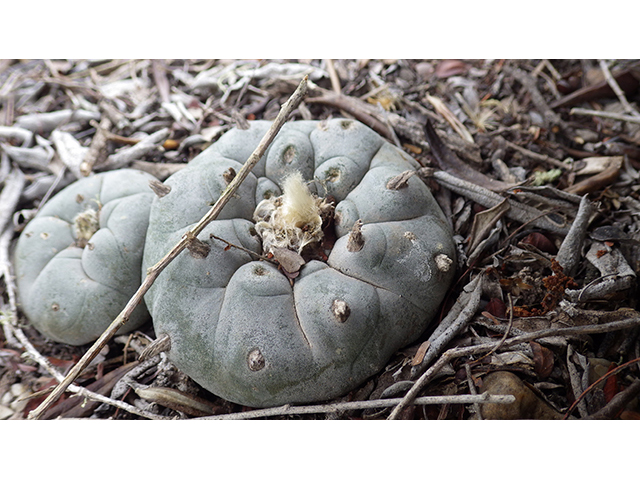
(154,271)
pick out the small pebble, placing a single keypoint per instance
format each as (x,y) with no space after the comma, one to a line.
(18,389)
(5,412)
(425,70)
(526,406)
(20,392)
(6,398)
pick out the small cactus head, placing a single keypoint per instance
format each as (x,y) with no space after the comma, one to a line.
(85,224)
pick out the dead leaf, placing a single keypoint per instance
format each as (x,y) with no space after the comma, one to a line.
(543,360)
(593,165)
(601,180)
(629,415)
(177,400)
(290,261)
(627,80)
(541,242)
(419,356)
(483,223)
(611,387)
(497,308)
(449,68)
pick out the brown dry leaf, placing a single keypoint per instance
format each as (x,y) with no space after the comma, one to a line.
(593,165)
(497,308)
(601,180)
(419,356)
(629,415)
(541,242)
(483,223)
(289,260)
(543,360)
(611,387)
(627,80)
(449,68)
(177,400)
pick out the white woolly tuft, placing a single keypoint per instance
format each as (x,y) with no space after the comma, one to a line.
(299,207)
(292,220)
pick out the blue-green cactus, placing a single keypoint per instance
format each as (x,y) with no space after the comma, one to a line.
(78,261)
(251,334)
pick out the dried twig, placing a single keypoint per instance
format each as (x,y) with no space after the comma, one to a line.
(448,115)
(617,90)
(609,115)
(537,156)
(575,381)
(458,317)
(571,249)
(473,390)
(517,211)
(186,240)
(98,146)
(360,405)
(13,186)
(356,107)
(333,76)
(5,271)
(241,248)
(123,158)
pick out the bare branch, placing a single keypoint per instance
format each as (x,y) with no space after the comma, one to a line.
(380,403)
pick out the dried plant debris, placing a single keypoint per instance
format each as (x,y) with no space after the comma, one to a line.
(536,164)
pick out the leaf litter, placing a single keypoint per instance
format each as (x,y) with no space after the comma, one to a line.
(536,162)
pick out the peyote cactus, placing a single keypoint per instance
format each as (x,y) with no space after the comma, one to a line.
(330,314)
(78,261)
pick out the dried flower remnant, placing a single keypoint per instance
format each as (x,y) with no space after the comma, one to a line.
(293,220)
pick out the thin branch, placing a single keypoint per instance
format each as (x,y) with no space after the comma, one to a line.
(246,250)
(473,390)
(333,76)
(617,90)
(632,320)
(155,270)
(381,403)
(538,156)
(10,286)
(458,318)
(609,115)
(518,211)
(571,249)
